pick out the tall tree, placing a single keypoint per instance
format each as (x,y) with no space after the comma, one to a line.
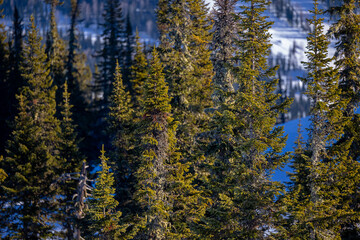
(223,47)
(346,31)
(78,77)
(56,51)
(168,203)
(122,121)
(71,160)
(244,146)
(32,160)
(112,47)
(184,38)
(315,190)
(4,69)
(102,205)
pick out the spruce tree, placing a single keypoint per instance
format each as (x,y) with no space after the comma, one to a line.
(56,51)
(71,160)
(168,203)
(78,77)
(244,146)
(4,69)
(122,123)
(346,32)
(138,70)
(112,47)
(102,205)
(31,159)
(316,189)
(222,47)
(184,38)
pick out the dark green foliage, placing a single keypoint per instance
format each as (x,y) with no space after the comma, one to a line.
(32,148)
(78,77)
(112,47)
(56,52)
(102,205)
(4,83)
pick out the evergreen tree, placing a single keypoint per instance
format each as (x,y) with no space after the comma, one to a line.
(122,123)
(346,31)
(244,146)
(128,53)
(71,160)
(223,47)
(112,46)
(319,186)
(184,38)
(56,51)
(168,203)
(78,77)
(138,70)
(32,160)
(4,68)
(102,205)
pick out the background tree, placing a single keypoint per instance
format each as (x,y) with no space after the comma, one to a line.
(56,51)
(32,160)
(4,69)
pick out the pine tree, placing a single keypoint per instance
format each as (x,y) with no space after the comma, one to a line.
(244,146)
(31,160)
(319,193)
(102,205)
(184,38)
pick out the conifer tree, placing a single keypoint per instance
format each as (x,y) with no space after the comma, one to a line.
(184,38)
(71,160)
(122,123)
(138,70)
(168,203)
(112,48)
(314,190)
(244,146)
(32,160)
(56,51)
(223,47)
(128,52)
(102,205)
(78,77)
(4,68)
(346,32)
